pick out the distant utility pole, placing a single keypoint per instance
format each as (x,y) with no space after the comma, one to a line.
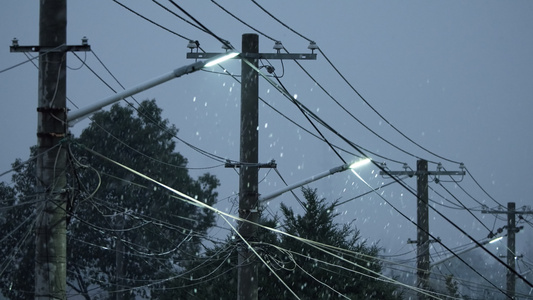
(422,236)
(50,226)
(247,283)
(512,229)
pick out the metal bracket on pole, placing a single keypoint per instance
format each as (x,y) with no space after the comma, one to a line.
(271,164)
(15,47)
(306,56)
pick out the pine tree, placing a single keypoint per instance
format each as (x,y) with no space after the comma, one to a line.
(309,272)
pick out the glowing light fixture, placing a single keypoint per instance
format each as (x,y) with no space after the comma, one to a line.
(331,171)
(360,163)
(220,59)
(495,240)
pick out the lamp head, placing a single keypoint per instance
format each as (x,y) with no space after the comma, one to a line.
(360,163)
(222,58)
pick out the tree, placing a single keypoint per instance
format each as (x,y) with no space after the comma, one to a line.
(309,272)
(452,287)
(317,274)
(17,215)
(125,234)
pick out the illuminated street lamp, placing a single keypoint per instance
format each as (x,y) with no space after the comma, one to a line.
(466,250)
(331,171)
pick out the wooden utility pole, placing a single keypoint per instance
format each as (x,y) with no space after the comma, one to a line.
(511,248)
(248,180)
(50,225)
(512,229)
(422,231)
(247,283)
(422,213)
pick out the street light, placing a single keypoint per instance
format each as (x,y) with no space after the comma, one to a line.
(221,58)
(331,171)
(76,116)
(466,250)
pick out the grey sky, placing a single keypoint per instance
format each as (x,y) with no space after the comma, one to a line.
(454,76)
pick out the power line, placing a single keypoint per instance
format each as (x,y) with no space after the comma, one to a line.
(240,20)
(461,203)
(151,21)
(314,126)
(224,42)
(351,86)
(162,126)
(401,183)
(279,21)
(323,139)
(188,199)
(180,17)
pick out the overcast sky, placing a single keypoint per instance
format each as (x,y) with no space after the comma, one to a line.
(454,76)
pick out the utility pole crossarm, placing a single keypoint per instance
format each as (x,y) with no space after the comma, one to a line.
(64,48)
(420,173)
(305,56)
(504,212)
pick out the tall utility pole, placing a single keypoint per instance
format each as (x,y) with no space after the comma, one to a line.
(422,216)
(248,181)
(422,231)
(512,229)
(50,225)
(247,283)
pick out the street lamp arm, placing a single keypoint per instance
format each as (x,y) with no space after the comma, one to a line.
(331,171)
(82,113)
(78,115)
(464,251)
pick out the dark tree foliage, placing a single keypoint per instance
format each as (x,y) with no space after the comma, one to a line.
(331,275)
(125,233)
(309,272)
(17,238)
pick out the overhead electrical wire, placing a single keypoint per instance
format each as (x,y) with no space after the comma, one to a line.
(371,191)
(484,191)
(151,21)
(351,86)
(351,114)
(327,93)
(184,197)
(292,99)
(253,28)
(220,39)
(442,244)
(468,210)
(364,100)
(344,107)
(203,152)
(313,124)
(224,42)
(244,23)
(180,17)
(386,172)
(292,192)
